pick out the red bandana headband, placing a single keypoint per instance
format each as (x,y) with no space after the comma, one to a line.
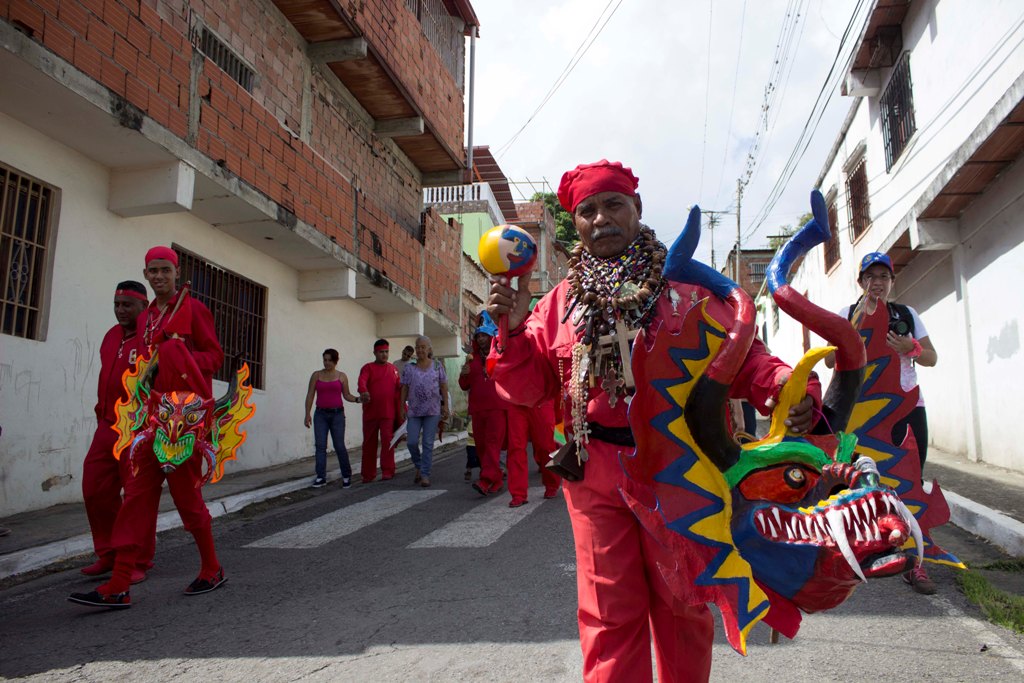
(381,346)
(587,180)
(132,293)
(165,253)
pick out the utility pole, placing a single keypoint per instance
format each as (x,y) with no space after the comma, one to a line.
(739,204)
(713,218)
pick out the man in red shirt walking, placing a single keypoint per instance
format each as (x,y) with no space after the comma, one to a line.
(379,388)
(179,331)
(103,476)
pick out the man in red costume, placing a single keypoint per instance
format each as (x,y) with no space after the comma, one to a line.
(379,388)
(488,413)
(535,425)
(179,331)
(614,281)
(103,475)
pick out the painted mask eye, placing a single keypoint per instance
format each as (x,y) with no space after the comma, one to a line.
(192,418)
(163,415)
(786,483)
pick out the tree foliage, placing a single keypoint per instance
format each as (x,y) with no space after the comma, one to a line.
(786,231)
(565,231)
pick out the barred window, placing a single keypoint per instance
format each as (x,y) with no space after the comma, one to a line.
(28,212)
(756,271)
(239,308)
(832,245)
(857,199)
(223,56)
(897,109)
(775,317)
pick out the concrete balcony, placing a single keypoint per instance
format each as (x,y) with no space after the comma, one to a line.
(460,199)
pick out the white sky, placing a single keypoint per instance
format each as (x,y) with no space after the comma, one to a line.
(638,96)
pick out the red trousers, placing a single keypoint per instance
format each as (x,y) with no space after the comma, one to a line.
(384,429)
(142,500)
(489,428)
(536,425)
(622,599)
(103,477)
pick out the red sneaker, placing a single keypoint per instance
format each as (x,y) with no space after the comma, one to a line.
(919,581)
(517,502)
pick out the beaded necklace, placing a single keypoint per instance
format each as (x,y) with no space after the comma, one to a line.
(604,295)
(624,287)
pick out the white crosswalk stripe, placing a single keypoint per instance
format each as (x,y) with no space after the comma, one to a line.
(344,521)
(481,526)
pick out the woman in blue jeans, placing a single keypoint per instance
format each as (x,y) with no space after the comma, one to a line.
(329,386)
(424,404)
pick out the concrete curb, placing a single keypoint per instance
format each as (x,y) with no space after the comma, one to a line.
(30,559)
(1003,531)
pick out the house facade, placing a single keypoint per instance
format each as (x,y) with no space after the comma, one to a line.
(926,168)
(281,146)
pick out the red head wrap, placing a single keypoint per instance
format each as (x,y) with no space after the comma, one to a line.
(165,253)
(589,179)
(381,345)
(132,293)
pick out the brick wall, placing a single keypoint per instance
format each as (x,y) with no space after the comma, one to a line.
(394,31)
(442,262)
(346,183)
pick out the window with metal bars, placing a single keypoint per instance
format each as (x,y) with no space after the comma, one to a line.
(28,211)
(832,245)
(897,108)
(756,271)
(239,308)
(857,199)
(224,57)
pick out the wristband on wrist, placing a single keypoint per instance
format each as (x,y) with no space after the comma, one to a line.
(916,351)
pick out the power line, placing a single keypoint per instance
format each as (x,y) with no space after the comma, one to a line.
(581,51)
(732,105)
(803,142)
(707,100)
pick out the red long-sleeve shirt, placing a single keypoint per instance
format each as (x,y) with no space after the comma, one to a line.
(382,382)
(483,394)
(190,362)
(536,363)
(117,354)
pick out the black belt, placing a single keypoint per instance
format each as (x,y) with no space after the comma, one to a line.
(618,436)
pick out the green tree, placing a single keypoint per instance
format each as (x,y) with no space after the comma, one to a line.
(786,231)
(565,231)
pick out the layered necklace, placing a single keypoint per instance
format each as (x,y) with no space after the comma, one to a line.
(610,296)
(626,287)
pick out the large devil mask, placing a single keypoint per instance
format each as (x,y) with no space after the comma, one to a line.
(774,527)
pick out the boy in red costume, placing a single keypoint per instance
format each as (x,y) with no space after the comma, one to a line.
(488,412)
(179,331)
(614,283)
(379,388)
(103,475)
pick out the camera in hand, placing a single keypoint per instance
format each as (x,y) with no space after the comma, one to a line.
(899,327)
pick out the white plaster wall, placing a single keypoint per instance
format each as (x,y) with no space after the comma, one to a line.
(48,388)
(962,61)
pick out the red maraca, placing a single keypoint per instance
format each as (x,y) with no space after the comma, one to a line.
(510,251)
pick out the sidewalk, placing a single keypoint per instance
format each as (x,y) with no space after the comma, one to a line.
(61,533)
(984,500)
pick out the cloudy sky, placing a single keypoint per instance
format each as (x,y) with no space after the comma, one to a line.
(676,89)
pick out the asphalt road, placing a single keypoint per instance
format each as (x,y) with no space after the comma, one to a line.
(392,582)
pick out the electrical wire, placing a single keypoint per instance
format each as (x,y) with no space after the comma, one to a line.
(825,95)
(581,51)
(707,100)
(732,105)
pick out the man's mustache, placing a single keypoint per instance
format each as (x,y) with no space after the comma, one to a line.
(608,231)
